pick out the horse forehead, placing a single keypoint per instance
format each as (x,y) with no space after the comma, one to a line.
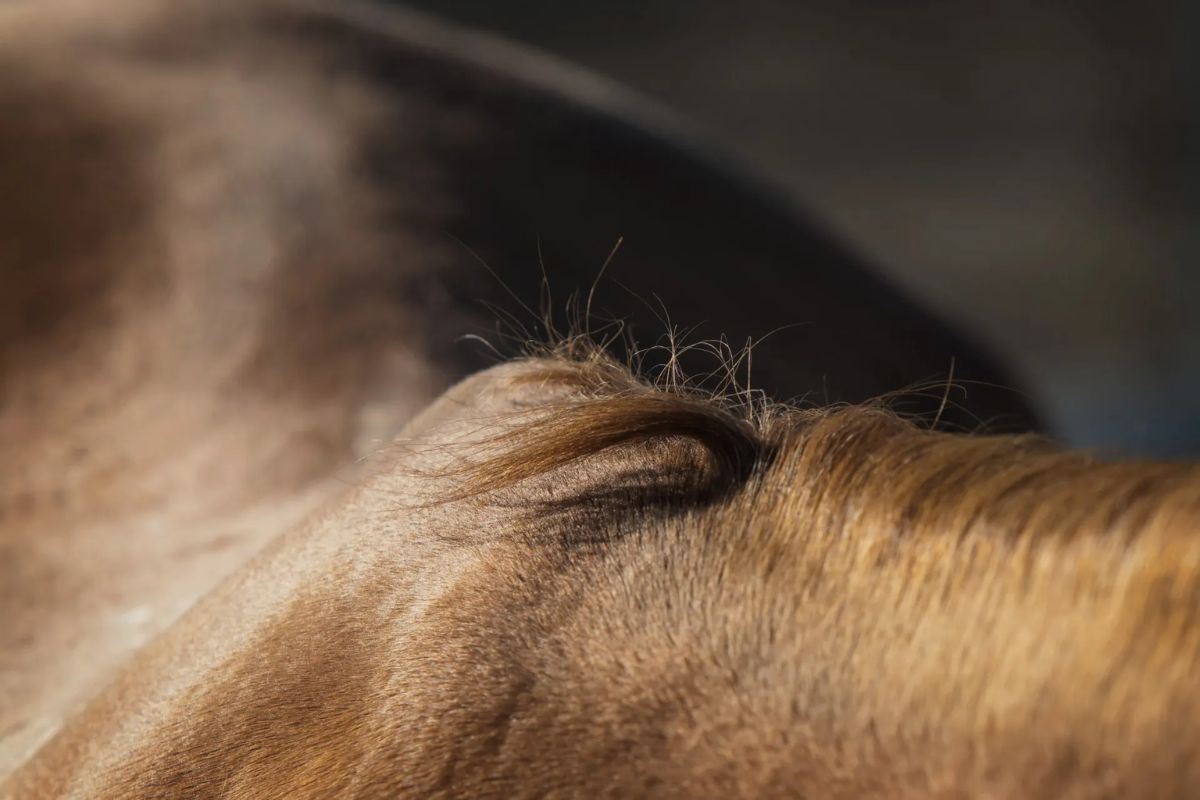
(483,405)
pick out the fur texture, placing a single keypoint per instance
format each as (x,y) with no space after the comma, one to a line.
(226,280)
(564,581)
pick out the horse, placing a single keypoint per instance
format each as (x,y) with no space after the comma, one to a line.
(269,529)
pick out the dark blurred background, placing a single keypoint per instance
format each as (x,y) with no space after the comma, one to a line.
(1029,169)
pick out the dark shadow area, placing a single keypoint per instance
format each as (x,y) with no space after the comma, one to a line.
(1030,170)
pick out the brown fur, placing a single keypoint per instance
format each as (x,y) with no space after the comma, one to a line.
(558,580)
(163,299)
(866,610)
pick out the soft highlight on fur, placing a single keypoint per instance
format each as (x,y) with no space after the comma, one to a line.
(1054,595)
(621,590)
